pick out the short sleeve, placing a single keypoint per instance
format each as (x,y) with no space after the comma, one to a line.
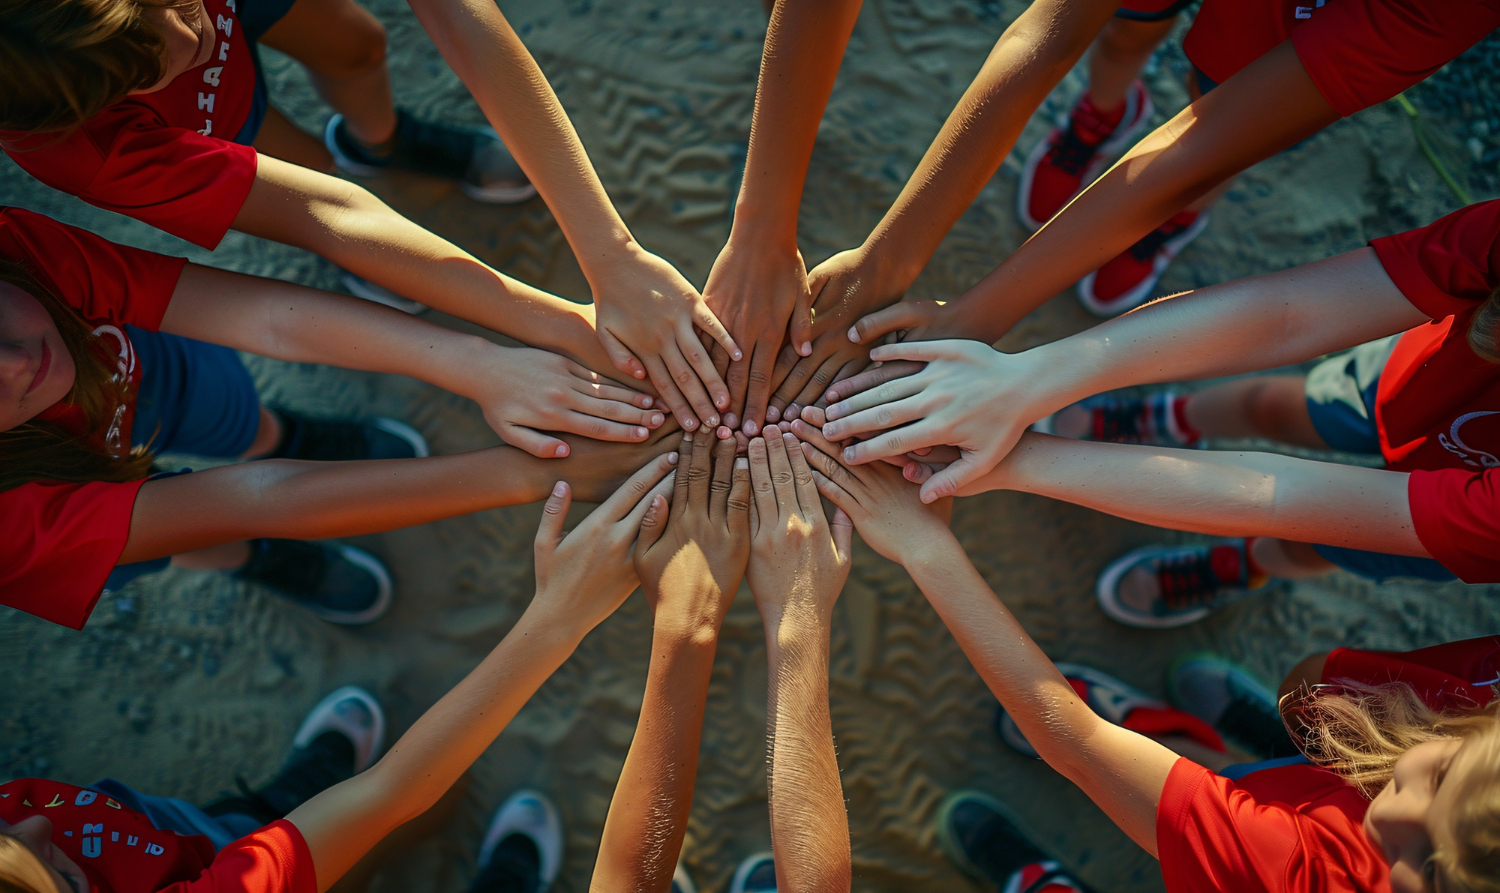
(62,541)
(102,280)
(127,161)
(1362,52)
(1449,266)
(1201,844)
(1456,514)
(274,859)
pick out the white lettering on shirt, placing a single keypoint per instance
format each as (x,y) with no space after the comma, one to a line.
(227,26)
(211,75)
(1453,442)
(84,798)
(224,51)
(206,101)
(93,845)
(154,849)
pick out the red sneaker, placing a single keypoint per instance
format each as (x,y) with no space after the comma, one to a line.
(1080,145)
(1126,282)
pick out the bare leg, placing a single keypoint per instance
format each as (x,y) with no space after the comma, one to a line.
(1119,54)
(267,436)
(228,557)
(1269,406)
(343,48)
(1305,674)
(1287,560)
(280,138)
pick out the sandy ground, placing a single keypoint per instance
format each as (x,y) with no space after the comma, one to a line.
(185,680)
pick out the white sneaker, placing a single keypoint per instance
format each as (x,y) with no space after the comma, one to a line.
(756,874)
(364,288)
(681,883)
(533,816)
(352,712)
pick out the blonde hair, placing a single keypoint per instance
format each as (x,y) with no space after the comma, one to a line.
(1484,329)
(1359,731)
(21,870)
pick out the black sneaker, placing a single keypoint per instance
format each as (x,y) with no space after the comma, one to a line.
(337,582)
(1231,700)
(334,440)
(522,848)
(978,834)
(472,156)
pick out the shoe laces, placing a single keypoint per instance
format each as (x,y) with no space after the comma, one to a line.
(1074,146)
(1147,247)
(1120,420)
(1187,580)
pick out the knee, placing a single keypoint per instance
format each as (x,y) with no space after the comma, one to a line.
(359,49)
(1128,40)
(1272,405)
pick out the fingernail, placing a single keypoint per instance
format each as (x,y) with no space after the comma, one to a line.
(639,373)
(724,432)
(640,432)
(645,403)
(788,437)
(806,348)
(854,334)
(773,414)
(689,424)
(849,454)
(751,428)
(656,419)
(738,355)
(672,458)
(559,488)
(712,421)
(562,450)
(741,464)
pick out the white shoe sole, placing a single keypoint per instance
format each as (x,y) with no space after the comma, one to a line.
(742,873)
(384,594)
(379,294)
(1105,592)
(1138,295)
(367,743)
(548,838)
(1107,150)
(406,433)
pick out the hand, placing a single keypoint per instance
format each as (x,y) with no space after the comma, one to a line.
(844,288)
(908,321)
(797,560)
(584,576)
(969,396)
(525,392)
(691,559)
(886,510)
(594,468)
(761,295)
(646,319)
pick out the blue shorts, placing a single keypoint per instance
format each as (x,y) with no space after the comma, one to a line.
(179,816)
(1340,394)
(194,397)
(1151,10)
(256,18)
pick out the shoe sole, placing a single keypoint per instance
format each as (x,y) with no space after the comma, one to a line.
(317,723)
(681,882)
(553,821)
(1102,157)
(1138,295)
(406,432)
(951,847)
(490,195)
(1110,578)
(375,294)
(384,593)
(742,873)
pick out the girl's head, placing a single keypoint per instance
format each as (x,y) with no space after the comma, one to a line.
(1434,780)
(29,863)
(48,355)
(1484,329)
(66,60)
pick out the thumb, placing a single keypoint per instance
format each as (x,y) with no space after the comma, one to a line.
(951,479)
(898,316)
(843,533)
(920,351)
(621,356)
(533,442)
(800,329)
(549,534)
(652,525)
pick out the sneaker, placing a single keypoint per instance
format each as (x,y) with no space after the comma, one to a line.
(340,738)
(472,156)
(681,883)
(337,582)
(335,440)
(1155,419)
(1125,282)
(1080,145)
(379,294)
(756,874)
(980,835)
(1119,703)
(1235,703)
(522,850)
(1160,587)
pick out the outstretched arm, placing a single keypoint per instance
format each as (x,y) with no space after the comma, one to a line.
(581,579)
(647,310)
(320,500)
(1122,771)
(523,391)
(798,565)
(690,561)
(758,284)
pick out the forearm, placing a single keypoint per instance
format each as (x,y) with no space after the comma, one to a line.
(1221,493)
(342,823)
(809,822)
(1120,771)
(1268,106)
(320,500)
(1028,61)
(649,811)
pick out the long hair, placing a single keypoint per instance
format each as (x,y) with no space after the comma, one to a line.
(67,60)
(1359,731)
(42,451)
(1484,329)
(21,870)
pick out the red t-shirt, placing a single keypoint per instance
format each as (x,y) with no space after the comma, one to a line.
(165,158)
(122,852)
(62,540)
(1437,406)
(1452,676)
(1357,52)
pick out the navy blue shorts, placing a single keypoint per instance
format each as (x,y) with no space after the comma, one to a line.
(194,397)
(256,18)
(1151,10)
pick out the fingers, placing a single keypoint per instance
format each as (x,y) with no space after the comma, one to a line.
(870,378)
(890,443)
(843,533)
(922,351)
(596,428)
(549,534)
(815,415)
(700,470)
(898,316)
(738,505)
(781,472)
(759,390)
(595,386)
(680,486)
(633,492)
(701,360)
(788,370)
(884,417)
(836,494)
(739,381)
(799,328)
(824,377)
(620,355)
(704,319)
(885,392)
(691,388)
(722,479)
(951,479)
(536,443)
(807,492)
(667,388)
(766,511)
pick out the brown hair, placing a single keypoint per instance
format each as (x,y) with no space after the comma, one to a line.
(42,451)
(67,60)
(1360,731)
(1484,329)
(21,870)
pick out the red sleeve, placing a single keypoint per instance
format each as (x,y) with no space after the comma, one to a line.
(1362,52)
(274,859)
(1456,514)
(128,161)
(102,280)
(1451,676)
(62,540)
(1447,267)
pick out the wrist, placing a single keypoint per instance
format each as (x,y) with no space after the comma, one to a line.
(548,624)
(467,366)
(763,230)
(892,264)
(930,550)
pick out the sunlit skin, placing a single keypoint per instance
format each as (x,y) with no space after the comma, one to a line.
(36,833)
(1413,814)
(36,369)
(189,37)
